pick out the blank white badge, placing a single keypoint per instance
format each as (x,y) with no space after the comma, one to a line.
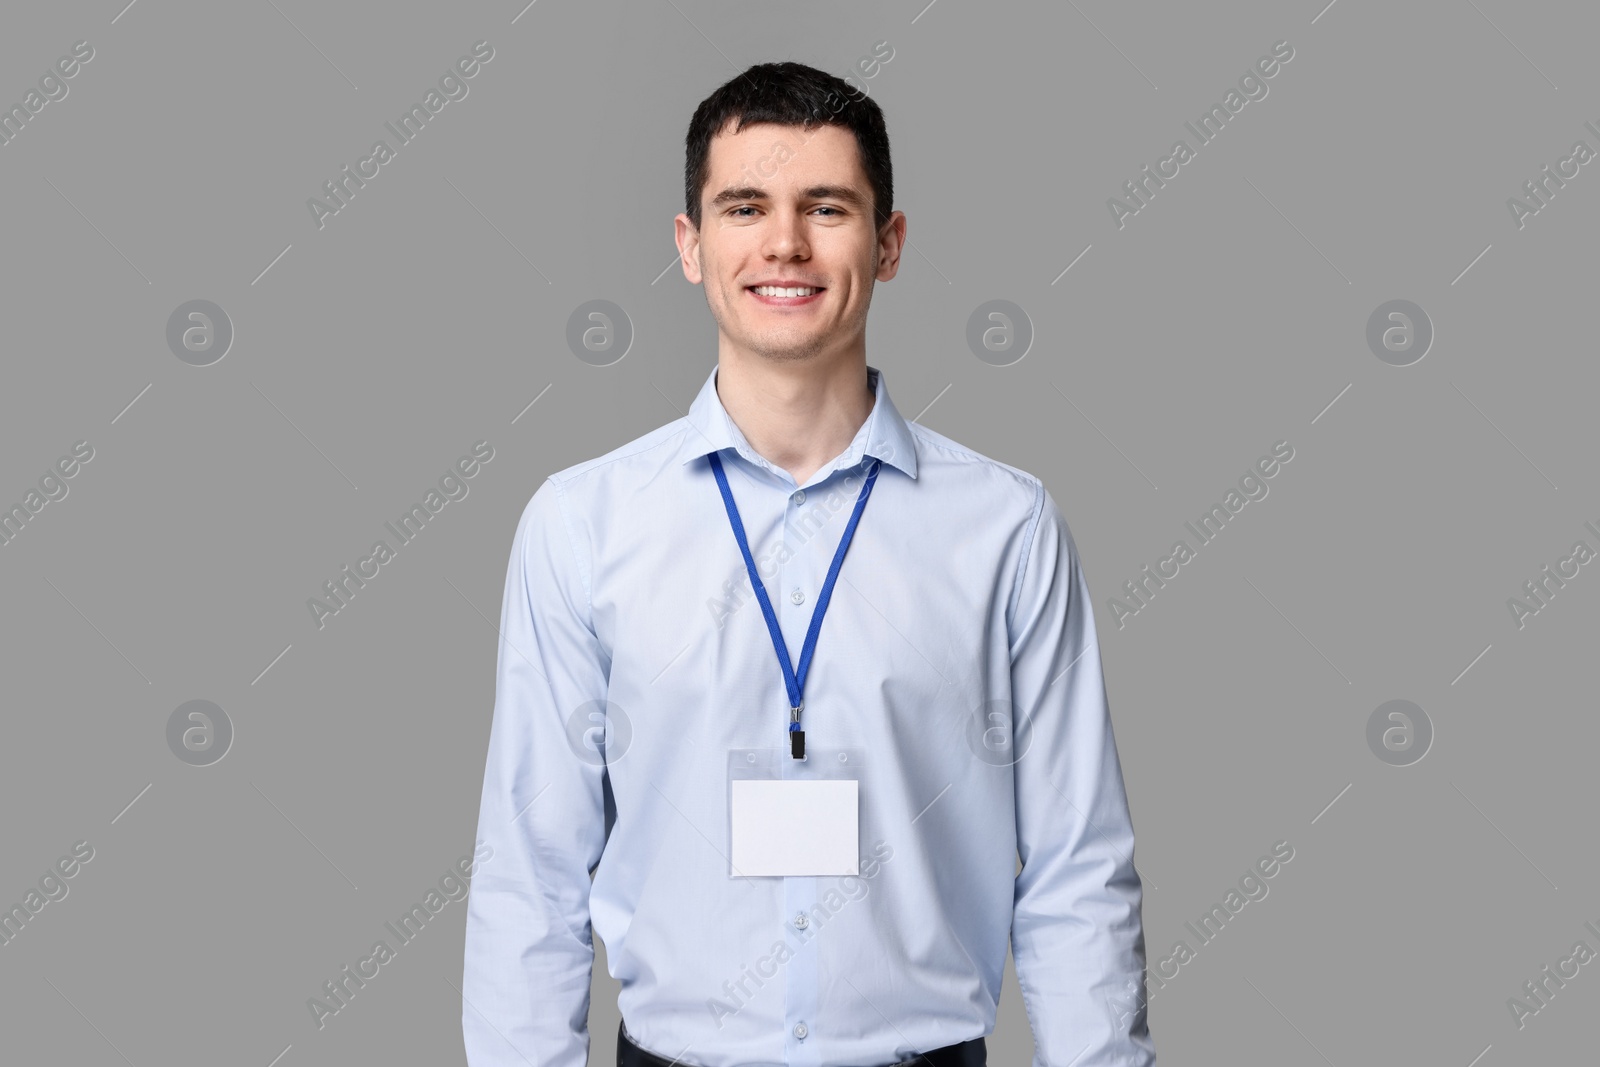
(795,827)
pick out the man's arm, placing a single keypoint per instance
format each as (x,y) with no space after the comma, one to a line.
(529,950)
(1076,930)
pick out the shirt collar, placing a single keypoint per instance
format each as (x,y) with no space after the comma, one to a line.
(884,436)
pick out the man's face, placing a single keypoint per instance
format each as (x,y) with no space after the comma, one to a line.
(789,206)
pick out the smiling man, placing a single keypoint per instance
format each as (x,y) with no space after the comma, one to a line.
(806,801)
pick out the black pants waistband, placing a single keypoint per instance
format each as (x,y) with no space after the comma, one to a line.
(972,1053)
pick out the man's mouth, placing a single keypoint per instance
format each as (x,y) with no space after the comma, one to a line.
(785,296)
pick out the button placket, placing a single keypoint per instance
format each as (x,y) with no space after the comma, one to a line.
(801,986)
(796,595)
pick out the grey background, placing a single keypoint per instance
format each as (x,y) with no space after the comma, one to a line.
(1227,315)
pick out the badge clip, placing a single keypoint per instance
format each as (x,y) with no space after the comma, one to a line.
(797,736)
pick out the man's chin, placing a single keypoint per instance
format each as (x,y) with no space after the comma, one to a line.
(782,346)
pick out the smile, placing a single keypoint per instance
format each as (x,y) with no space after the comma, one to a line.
(777,296)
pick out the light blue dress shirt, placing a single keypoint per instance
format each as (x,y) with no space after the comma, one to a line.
(957,678)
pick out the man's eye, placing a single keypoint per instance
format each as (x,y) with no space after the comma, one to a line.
(735,211)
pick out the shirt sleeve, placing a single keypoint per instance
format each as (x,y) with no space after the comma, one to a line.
(1076,932)
(529,950)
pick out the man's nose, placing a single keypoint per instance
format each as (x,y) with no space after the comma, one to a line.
(786,235)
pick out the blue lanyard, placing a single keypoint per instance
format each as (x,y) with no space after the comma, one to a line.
(795,682)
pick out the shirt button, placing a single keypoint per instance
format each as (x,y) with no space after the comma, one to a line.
(800,920)
(797,597)
(799,496)
(800,1031)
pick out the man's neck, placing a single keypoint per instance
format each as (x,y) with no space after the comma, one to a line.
(797,415)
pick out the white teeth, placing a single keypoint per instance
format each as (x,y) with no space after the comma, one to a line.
(773,290)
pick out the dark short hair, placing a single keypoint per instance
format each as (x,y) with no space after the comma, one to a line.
(790,94)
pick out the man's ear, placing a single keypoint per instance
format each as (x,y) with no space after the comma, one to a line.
(891,240)
(688,239)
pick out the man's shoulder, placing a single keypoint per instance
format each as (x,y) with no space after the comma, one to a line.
(645,452)
(575,491)
(946,460)
(1000,492)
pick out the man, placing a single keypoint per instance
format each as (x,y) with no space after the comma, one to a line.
(806,854)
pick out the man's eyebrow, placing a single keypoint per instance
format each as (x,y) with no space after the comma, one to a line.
(846,193)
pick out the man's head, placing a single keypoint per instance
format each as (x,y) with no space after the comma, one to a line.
(787,180)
